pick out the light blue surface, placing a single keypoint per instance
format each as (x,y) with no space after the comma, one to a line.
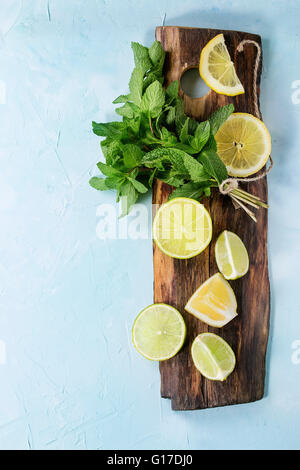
(67,299)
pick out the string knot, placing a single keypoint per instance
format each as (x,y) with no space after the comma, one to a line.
(228,185)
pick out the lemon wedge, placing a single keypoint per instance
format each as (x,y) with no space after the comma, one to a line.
(214,302)
(217,69)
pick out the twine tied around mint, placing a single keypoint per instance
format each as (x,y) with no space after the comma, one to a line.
(230,186)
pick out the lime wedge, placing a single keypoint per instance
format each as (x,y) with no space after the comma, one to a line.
(231,255)
(182,228)
(212,356)
(159,332)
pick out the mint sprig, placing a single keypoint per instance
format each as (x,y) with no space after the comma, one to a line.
(156,139)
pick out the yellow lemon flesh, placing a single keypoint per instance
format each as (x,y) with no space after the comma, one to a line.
(214,302)
(244,144)
(217,69)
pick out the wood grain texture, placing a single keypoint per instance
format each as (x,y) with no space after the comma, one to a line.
(176,280)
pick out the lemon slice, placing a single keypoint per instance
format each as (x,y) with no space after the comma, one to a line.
(159,332)
(217,69)
(214,302)
(213,356)
(244,144)
(182,228)
(231,255)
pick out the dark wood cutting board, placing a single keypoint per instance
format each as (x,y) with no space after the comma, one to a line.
(176,280)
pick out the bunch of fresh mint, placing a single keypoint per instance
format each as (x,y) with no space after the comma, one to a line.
(155,138)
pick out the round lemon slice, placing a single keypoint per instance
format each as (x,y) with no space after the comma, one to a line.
(182,228)
(244,144)
(159,332)
(217,69)
(231,255)
(214,302)
(213,356)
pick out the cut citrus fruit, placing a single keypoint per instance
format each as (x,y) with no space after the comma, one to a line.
(213,356)
(217,69)
(214,302)
(244,144)
(182,228)
(231,255)
(159,332)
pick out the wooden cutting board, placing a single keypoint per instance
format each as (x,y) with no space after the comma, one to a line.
(176,280)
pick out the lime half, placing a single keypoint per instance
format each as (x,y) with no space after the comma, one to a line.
(212,356)
(159,332)
(182,228)
(231,255)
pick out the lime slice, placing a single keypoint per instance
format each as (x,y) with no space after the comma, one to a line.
(217,69)
(244,144)
(231,255)
(159,332)
(212,356)
(182,228)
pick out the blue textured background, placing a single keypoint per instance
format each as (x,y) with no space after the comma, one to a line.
(67,299)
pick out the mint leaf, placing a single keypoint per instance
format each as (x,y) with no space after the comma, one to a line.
(132,155)
(171,177)
(114,182)
(108,170)
(213,165)
(153,99)
(195,170)
(219,117)
(186,148)
(190,190)
(155,52)
(152,77)
(151,178)
(128,196)
(111,150)
(108,129)
(132,124)
(141,56)
(170,118)
(201,136)
(121,99)
(136,85)
(184,136)
(169,139)
(98,183)
(140,187)
(172,90)
(128,110)
(180,117)
(211,144)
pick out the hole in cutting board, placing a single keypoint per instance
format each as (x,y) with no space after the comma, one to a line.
(192,84)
